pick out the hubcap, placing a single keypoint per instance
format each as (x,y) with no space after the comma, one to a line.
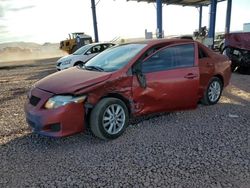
(113,119)
(214,91)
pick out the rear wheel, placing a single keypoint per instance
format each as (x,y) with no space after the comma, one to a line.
(109,118)
(213,92)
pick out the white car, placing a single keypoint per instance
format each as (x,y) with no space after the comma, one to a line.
(82,55)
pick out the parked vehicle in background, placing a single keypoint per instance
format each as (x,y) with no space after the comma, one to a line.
(82,55)
(128,80)
(219,42)
(237,48)
(74,42)
(246,27)
(201,35)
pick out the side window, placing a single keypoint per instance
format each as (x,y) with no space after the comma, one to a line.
(170,58)
(104,46)
(202,54)
(96,49)
(93,50)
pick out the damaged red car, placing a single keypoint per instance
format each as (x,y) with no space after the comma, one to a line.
(126,81)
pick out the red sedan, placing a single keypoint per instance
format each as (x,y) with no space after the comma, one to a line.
(126,81)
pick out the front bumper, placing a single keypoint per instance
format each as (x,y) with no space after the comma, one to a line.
(62,67)
(63,121)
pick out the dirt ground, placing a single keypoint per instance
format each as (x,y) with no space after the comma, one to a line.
(206,147)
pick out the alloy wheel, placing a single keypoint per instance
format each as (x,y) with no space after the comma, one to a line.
(113,119)
(214,91)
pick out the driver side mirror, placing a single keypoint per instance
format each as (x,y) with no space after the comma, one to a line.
(137,70)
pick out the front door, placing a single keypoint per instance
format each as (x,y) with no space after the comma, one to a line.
(92,52)
(172,80)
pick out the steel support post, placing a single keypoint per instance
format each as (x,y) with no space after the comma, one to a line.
(94,20)
(228,16)
(212,21)
(159,18)
(200,18)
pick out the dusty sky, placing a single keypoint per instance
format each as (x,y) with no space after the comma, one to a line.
(51,20)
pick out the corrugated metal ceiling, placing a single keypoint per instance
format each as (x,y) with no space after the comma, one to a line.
(180,2)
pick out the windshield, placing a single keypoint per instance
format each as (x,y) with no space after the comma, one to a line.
(82,50)
(115,58)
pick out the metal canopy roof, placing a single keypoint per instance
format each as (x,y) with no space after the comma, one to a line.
(181,2)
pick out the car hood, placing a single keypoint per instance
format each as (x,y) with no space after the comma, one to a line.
(71,80)
(73,58)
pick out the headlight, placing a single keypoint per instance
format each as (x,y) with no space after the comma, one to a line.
(61,100)
(66,62)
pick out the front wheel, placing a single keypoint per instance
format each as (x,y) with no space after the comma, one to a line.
(213,92)
(109,118)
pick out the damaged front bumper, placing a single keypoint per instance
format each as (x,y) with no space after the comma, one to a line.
(62,121)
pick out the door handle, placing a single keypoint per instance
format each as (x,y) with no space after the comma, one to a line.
(191,76)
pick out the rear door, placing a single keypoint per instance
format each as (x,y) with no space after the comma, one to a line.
(172,80)
(206,68)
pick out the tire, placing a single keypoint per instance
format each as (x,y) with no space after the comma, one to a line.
(104,121)
(213,92)
(243,70)
(221,48)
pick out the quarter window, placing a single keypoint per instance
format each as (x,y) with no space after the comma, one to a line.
(202,54)
(170,58)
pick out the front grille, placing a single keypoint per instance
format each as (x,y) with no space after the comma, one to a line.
(34,100)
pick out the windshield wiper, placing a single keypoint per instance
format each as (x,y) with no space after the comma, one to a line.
(94,68)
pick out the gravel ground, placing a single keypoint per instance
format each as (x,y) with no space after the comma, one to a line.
(206,147)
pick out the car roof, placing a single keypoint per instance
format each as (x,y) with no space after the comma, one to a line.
(88,46)
(96,43)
